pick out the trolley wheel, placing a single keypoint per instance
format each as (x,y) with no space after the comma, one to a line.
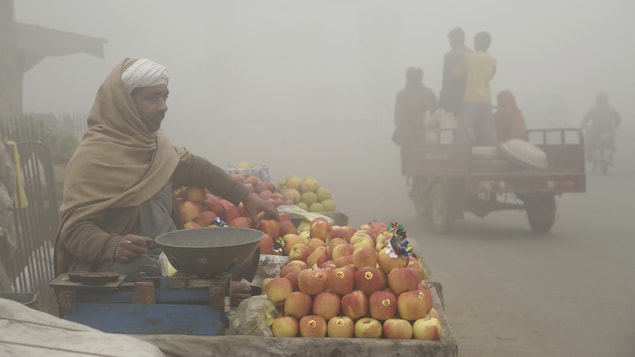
(541,212)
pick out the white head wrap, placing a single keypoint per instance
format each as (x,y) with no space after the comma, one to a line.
(144,73)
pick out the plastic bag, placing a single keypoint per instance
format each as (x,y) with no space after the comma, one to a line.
(253,317)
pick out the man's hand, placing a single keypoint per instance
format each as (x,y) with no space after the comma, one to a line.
(132,246)
(254,204)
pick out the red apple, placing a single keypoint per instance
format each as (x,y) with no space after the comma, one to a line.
(340,326)
(287,227)
(427,328)
(285,270)
(289,241)
(293,279)
(300,263)
(342,250)
(355,304)
(270,227)
(297,304)
(220,211)
(344,261)
(284,217)
(332,243)
(382,304)
(341,232)
(314,243)
(244,222)
(194,194)
(397,329)
(231,213)
(266,245)
(205,218)
(300,251)
(312,326)
(320,228)
(413,305)
(365,257)
(189,210)
(326,304)
(369,279)
(277,289)
(340,280)
(402,279)
(361,236)
(312,281)
(367,327)
(318,254)
(419,269)
(284,326)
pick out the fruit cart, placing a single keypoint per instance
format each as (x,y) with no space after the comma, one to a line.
(451,177)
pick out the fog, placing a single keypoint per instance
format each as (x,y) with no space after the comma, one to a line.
(308,88)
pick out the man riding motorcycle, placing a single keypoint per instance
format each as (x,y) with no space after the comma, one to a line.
(603,120)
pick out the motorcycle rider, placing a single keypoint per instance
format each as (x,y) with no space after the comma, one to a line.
(603,119)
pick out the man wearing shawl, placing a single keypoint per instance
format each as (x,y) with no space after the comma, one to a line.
(509,120)
(119,182)
(453,87)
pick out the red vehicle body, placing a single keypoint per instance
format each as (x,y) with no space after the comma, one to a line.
(445,183)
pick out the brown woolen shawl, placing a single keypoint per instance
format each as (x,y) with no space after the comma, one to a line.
(119,163)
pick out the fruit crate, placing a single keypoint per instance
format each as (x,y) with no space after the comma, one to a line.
(178,345)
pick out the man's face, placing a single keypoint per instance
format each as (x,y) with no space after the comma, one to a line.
(151,103)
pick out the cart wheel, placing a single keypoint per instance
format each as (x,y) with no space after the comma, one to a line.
(541,212)
(441,215)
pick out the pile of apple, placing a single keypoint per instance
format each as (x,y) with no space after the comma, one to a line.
(266,190)
(199,208)
(307,194)
(348,282)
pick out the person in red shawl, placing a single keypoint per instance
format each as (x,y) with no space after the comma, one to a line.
(509,120)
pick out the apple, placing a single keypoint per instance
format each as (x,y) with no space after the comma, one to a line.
(327,265)
(340,280)
(387,259)
(433,313)
(312,281)
(191,225)
(231,213)
(244,222)
(194,194)
(265,194)
(315,242)
(365,257)
(189,210)
(332,243)
(300,251)
(413,305)
(320,228)
(205,218)
(367,327)
(270,227)
(243,210)
(285,270)
(293,279)
(326,304)
(219,209)
(382,304)
(287,227)
(344,261)
(312,326)
(341,250)
(277,290)
(317,256)
(340,232)
(355,304)
(340,326)
(266,245)
(284,326)
(427,328)
(265,281)
(289,241)
(297,304)
(397,329)
(402,279)
(382,239)
(369,279)
(284,217)
(361,236)
(300,263)
(419,269)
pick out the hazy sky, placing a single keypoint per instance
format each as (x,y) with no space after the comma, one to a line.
(260,62)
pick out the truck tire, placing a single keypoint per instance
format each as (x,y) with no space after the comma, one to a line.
(541,212)
(441,212)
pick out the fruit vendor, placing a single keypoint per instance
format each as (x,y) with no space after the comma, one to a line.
(118,186)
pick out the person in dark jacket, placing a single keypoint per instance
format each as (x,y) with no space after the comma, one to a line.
(452,86)
(411,105)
